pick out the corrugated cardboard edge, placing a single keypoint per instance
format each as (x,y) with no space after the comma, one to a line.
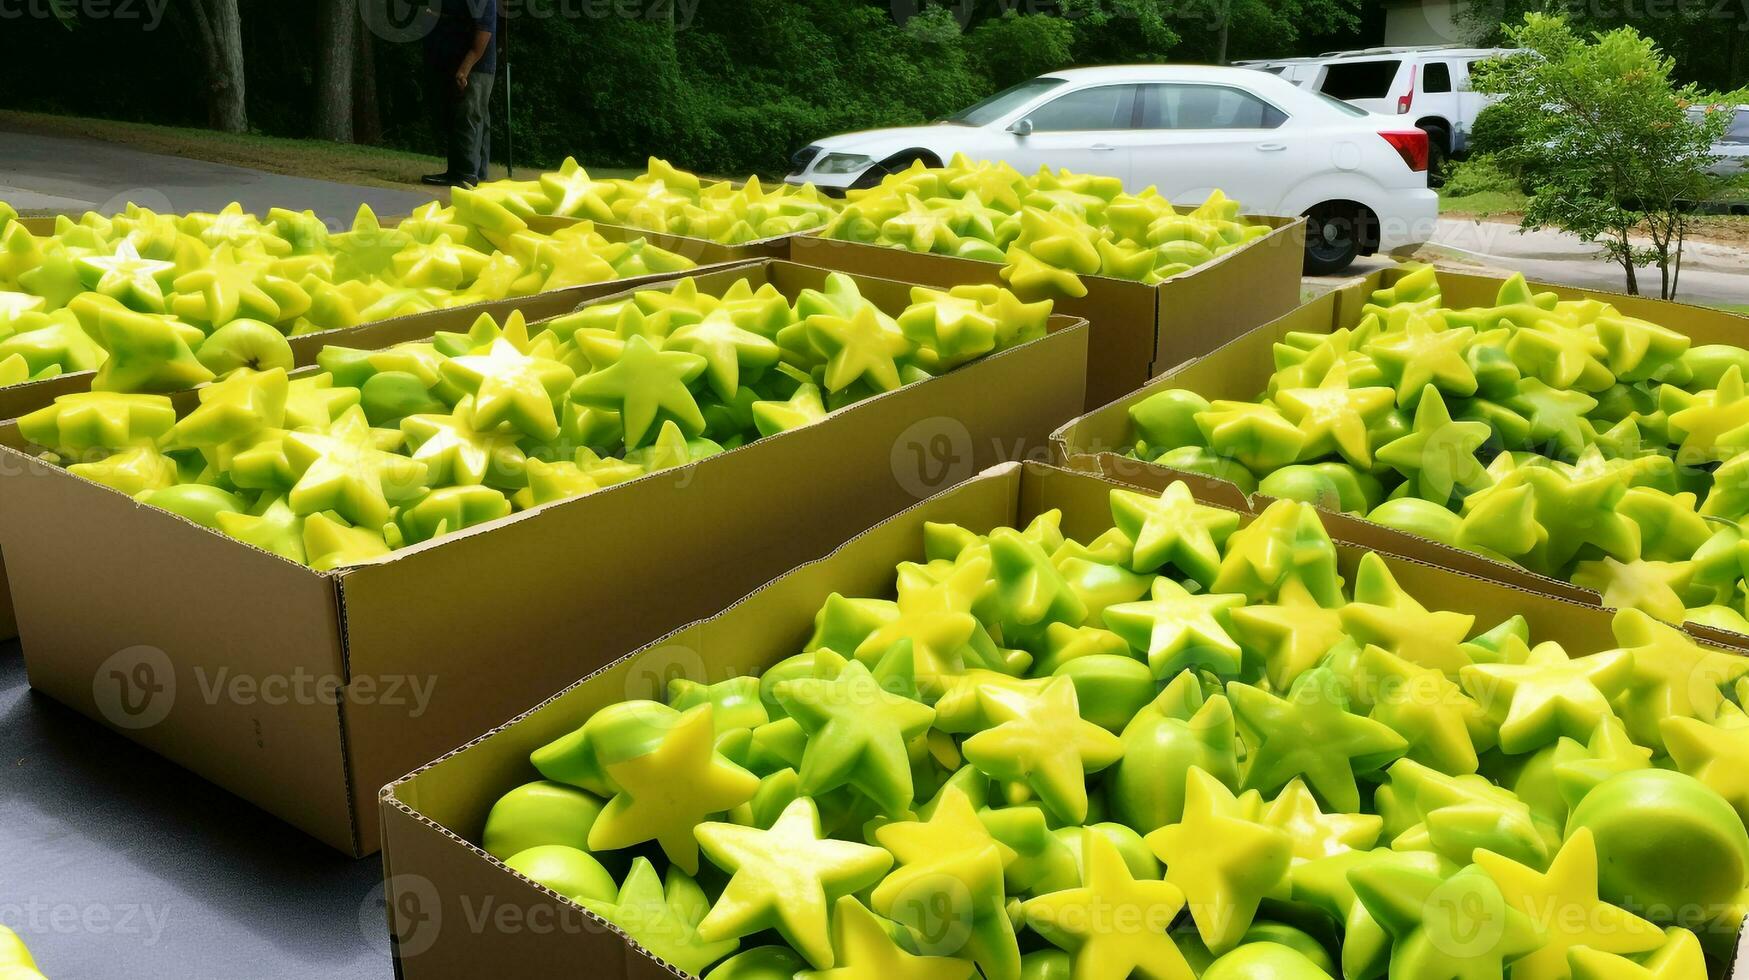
(1087,443)
(698,249)
(406,827)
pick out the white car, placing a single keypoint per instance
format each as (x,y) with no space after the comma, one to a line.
(1431,85)
(1731,152)
(1359,178)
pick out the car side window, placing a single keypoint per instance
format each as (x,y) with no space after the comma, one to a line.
(1436,78)
(1206,107)
(1105,107)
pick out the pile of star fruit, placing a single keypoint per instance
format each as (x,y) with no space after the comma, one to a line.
(1184,747)
(1047,230)
(1564,437)
(119,294)
(668,200)
(381,449)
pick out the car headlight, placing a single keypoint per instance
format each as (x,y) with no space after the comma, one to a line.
(842,163)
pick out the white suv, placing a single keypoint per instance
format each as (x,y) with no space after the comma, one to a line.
(1430,84)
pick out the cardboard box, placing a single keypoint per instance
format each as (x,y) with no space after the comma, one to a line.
(226,659)
(1241,370)
(1138,330)
(21,399)
(700,250)
(455,911)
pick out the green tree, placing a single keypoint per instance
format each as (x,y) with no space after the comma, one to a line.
(1217,31)
(1708,39)
(1631,160)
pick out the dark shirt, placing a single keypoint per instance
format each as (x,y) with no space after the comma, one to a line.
(453,35)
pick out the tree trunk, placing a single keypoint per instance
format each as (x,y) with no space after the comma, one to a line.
(367,120)
(1627,263)
(335,44)
(220,27)
(1226,30)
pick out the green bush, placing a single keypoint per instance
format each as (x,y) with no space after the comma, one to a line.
(1480,174)
(1012,48)
(1493,131)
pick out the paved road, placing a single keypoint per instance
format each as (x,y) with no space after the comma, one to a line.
(57,173)
(1711,274)
(113,856)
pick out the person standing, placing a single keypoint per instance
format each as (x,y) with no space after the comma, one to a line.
(461,61)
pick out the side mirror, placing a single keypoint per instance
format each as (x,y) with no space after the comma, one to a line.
(1021,127)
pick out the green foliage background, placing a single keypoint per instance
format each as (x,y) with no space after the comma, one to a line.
(736,90)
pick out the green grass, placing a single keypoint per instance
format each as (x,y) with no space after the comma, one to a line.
(1482,204)
(345,162)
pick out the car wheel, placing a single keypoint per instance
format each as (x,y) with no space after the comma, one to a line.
(1438,156)
(1332,238)
(892,165)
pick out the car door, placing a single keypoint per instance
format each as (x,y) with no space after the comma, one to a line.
(1087,130)
(1196,137)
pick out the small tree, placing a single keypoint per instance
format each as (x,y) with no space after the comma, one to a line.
(1607,139)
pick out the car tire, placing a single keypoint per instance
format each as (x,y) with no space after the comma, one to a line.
(891,165)
(1333,237)
(1438,155)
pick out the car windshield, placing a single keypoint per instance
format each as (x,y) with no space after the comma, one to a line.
(1360,79)
(1004,102)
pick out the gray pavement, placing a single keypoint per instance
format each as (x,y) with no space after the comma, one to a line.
(62,174)
(1712,274)
(118,863)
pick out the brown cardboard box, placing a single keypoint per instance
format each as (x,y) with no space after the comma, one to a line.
(226,659)
(1138,330)
(16,400)
(700,250)
(457,912)
(22,399)
(1241,369)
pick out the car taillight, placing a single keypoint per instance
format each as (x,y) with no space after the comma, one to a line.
(1410,144)
(1407,102)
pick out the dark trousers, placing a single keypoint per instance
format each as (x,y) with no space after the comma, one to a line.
(463,121)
